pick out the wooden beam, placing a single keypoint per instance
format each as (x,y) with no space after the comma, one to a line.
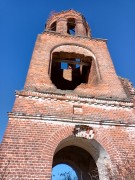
(72,62)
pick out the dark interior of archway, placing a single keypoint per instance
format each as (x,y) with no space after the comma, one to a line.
(80,160)
(68,70)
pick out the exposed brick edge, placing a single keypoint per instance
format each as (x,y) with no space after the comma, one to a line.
(71,98)
(129,89)
(71,120)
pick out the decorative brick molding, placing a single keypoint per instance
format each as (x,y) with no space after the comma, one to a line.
(75,98)
(84,131)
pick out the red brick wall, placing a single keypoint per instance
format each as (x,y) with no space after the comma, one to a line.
(28,146)
(38,78)
(57,105)
(43,116)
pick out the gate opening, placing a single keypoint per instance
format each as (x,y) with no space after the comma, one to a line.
(79,159)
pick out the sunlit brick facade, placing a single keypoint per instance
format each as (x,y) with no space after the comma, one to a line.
(71,82)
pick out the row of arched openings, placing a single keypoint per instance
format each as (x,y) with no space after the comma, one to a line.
(71,26)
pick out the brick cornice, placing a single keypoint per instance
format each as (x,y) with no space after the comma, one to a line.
(53,33)
(108,102)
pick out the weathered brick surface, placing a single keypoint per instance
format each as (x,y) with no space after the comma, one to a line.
(38,77)
(93,110)
(43,117)
(28,146)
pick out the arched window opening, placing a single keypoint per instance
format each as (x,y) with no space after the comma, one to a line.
(63,172)
(71,26)
(69,70)
(53,26)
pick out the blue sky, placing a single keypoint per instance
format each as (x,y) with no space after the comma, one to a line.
(21,21)
(59,171)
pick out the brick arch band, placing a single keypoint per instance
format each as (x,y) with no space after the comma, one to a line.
(99,148)
(78,17)
(65,15)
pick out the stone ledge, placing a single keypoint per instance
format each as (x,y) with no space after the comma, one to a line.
(71,120)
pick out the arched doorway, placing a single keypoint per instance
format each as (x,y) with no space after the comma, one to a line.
(86,157)
(79,159)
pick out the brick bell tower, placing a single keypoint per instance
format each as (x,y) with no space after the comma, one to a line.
(73,109)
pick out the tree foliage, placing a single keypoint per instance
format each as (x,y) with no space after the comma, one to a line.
(67,176)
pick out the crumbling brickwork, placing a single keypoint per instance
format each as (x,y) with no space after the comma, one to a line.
(41,126)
